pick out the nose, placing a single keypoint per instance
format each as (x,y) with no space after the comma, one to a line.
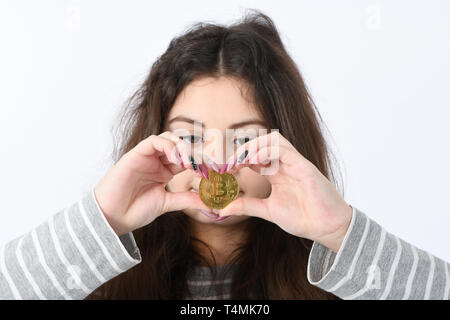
(215,150)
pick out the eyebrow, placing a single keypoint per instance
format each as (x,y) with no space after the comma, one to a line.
(233,126)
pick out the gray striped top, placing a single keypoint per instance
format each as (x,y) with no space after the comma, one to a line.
(203,287)
(75,251)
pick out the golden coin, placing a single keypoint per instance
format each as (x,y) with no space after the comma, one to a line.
(219,191)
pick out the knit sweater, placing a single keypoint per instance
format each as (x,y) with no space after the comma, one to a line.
(75,251)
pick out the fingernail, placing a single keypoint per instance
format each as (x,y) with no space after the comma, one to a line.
(221,218)
(178,156)
(204,171)
(242,156)
(208,214)
(194,166)
(212,164)
(223,168)
(229,164)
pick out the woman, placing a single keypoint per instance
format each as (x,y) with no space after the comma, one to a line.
(143,232)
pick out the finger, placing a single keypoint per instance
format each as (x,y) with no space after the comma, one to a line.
(274,139)
(183,200)
(276,146)
(157,146)
(209,164)
(181,147)
(188,155)
(267,154)
(174,168)
(264,162)
(198,161)
(204,171)
(277,166)
(165,149)
(248,206)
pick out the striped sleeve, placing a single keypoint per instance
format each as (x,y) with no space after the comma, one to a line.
(375,264)
(66,257)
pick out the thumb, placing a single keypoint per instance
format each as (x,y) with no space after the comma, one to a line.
(183,200)
(248,206)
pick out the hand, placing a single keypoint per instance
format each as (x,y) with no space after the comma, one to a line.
(303,202)
(132,194)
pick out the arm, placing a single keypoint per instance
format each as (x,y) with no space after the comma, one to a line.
(66,257)
(375,264)
(349,249)
(85,245)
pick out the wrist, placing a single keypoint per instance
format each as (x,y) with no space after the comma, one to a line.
(116,226)
(113,222)
(333,241)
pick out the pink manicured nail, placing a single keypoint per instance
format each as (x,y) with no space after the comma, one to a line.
(212,164)
(230,164)
(208,214)
(180,161)
(221,218)
(204,171)
(223,168)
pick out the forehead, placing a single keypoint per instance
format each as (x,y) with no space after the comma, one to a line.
(216,102)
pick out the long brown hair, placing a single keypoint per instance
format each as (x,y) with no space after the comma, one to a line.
(250,50)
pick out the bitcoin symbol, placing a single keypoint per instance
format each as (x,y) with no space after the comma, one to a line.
(219,191)
(218,188)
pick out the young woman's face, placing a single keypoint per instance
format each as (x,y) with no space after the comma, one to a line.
(219,105)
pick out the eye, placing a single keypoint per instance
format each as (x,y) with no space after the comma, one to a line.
(191,138)
(241,140)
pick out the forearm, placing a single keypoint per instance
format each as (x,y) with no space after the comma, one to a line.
(66,257)
(372,263)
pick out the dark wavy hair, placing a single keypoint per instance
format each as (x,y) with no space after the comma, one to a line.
(250,50)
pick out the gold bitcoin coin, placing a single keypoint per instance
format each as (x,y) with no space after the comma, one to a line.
(219,191)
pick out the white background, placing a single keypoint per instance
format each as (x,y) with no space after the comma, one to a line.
(379,72)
